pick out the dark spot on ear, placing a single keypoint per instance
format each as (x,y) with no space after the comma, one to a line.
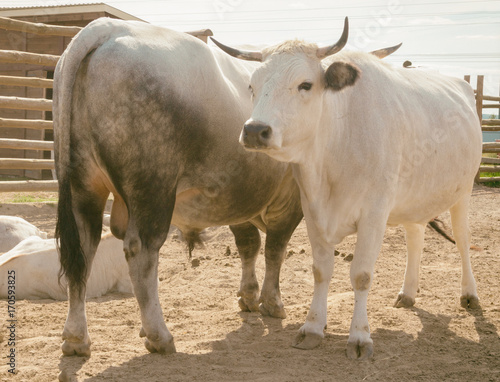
(340,75)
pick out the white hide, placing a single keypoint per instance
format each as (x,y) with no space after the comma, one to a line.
(14,229)
(399,146)
(36,265)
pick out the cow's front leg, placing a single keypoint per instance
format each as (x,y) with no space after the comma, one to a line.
(143,268)
(312,332)
(415,245)
(369,241)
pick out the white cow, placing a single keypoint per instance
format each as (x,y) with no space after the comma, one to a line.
(14,229)
(370,146)
(33,265)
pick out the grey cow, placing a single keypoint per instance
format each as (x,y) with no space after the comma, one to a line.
(153,117)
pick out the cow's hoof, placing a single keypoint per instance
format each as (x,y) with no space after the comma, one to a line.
(307,341)
(277,311)
(162,347)
(165,346)
(469,302)
(359,351)
(249,301)
(248,305)
(403,301)
(80,349)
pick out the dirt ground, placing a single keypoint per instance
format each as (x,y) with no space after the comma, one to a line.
(436,340)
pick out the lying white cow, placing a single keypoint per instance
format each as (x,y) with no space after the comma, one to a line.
(33,266)
(370,145)
(13,230)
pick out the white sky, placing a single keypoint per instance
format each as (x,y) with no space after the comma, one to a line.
(455,37)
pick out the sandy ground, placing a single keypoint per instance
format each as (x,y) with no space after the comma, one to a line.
(436,340)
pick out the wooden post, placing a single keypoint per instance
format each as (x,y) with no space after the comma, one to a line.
(479,97)
(467,78)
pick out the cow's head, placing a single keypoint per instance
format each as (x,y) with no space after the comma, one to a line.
(287,91)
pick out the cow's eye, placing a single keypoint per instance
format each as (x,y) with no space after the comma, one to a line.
(305,86)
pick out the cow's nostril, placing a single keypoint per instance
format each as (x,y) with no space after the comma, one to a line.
(266,133)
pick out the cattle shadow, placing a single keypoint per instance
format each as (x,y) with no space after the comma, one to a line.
(113,296)
(260,349)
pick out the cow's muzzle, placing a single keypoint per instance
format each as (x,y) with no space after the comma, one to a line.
(256,135)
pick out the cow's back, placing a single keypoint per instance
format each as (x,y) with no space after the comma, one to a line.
(414,134)
(156,107)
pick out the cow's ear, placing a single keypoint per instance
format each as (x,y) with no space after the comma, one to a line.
(341,74)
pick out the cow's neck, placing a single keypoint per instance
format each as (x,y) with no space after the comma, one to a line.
(320,170)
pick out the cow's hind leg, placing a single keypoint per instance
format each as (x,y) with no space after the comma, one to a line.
(88,207)
(276,242)
(247,239)
(147,230)
(415,245)
(282,217)
(460,225)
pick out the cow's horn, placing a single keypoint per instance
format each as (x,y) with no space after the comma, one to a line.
(381,53)
(242,54)
(332,49)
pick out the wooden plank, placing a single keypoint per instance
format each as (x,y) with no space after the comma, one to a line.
(26,103)
(490,128)
(37,124)
(491,150)
(492,179)
(25,144)
(491,145)
(29,186)
(490,98)
(37,28)
(491,122)
(489,169)
(485,160)
(27,164)
(33,82)
(15,57)
(491,106)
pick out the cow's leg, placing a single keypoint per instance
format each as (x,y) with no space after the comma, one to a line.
(282,217)
(415,245)
(278,235)
(247,239)
(460,225)
(147,230)
(88,208)
(369,240)
(312,332)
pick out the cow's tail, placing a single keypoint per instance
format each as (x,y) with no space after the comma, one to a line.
(71,255)
(435,226)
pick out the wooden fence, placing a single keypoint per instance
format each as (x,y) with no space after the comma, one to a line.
(40,104)
(46,60)
(487,164)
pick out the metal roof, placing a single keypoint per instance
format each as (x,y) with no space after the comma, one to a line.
(58,9)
